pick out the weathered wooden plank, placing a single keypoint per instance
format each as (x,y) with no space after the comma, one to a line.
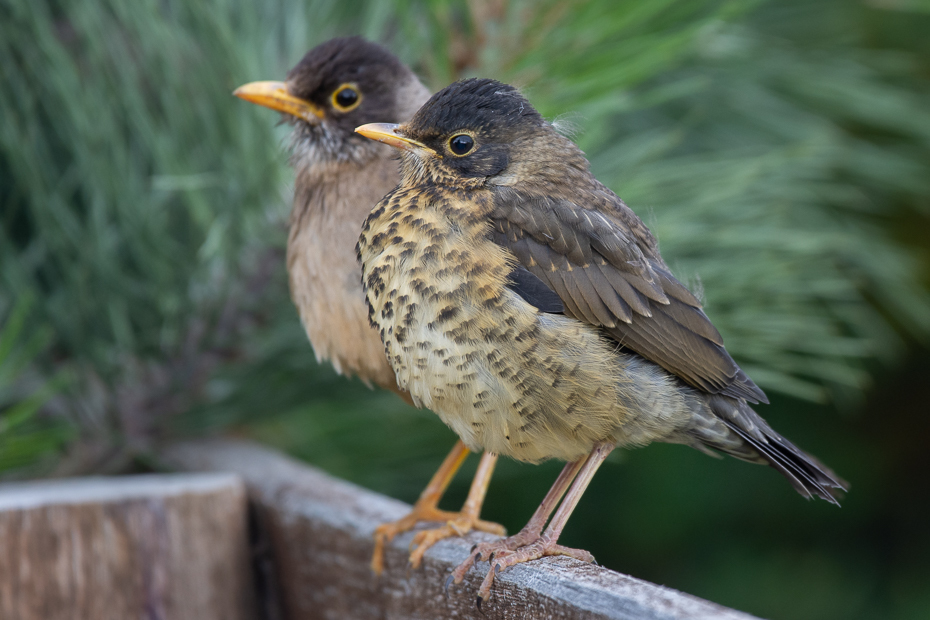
(320,530)
(153,547)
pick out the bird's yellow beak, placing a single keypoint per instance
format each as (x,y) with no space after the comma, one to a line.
(387,134)
(274,95)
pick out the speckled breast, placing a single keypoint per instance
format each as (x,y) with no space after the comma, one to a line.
(504,377)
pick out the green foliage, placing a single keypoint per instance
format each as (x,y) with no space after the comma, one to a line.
(787,158)
(137,196)
(126,205)
(778,149)
(26,436)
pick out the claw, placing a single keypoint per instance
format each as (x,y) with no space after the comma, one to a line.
(423,541)
(448,583)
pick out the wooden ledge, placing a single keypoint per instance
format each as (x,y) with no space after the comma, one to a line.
(164,546)
(319,532)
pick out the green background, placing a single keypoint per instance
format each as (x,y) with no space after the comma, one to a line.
(779,149)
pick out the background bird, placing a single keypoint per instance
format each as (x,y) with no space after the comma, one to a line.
(529,307)
(340,176)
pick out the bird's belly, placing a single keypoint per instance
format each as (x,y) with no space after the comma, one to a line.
(324,281)
(504,377)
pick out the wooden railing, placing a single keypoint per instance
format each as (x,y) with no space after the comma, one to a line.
(191,546)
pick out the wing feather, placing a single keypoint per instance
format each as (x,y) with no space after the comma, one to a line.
(604,265)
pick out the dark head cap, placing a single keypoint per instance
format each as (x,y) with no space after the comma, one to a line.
(474,124)
(337,86)
(327,75)
(477,132)
(495,110)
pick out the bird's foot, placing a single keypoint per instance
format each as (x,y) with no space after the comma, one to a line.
(485,552)
(541,547)
(460,525)
(456,524)
(386,532)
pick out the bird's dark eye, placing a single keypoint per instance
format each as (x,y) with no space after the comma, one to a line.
(346,98)
(462,144)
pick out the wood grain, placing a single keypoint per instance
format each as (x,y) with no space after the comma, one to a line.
(153,547)
(320,536)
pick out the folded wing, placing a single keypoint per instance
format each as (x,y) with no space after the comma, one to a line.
(604,266)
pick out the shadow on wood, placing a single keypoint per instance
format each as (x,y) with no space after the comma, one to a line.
(321,535)
(154,547)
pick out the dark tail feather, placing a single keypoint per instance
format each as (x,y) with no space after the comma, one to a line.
(732,427)
(806,474)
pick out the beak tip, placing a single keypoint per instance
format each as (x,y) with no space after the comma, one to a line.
(275,95)
(376,131)
(370,127)
(386,133)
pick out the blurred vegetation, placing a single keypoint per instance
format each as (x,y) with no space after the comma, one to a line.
(29,437)
(779,149)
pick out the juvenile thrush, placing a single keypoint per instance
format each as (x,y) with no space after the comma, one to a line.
(529,307)
(340,176)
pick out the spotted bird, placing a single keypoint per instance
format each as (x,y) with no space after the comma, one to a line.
(523,302)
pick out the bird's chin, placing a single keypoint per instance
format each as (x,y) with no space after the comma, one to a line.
(413,169)
(318,144)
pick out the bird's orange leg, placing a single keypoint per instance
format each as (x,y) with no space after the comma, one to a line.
(425,508)
(484,552)
(546,544)
(464,521)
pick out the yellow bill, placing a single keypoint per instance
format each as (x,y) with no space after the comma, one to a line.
(274,95)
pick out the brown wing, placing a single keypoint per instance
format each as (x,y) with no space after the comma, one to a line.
(605,267)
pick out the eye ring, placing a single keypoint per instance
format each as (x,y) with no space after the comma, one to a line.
(346,98)
(462,144)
